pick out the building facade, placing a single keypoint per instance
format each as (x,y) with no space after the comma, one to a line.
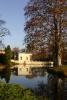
(24,57)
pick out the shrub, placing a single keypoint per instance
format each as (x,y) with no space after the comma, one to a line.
(15,92)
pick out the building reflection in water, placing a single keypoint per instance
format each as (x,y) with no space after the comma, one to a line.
(55,87)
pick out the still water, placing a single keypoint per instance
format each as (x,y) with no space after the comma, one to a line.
(42,82)
(26,80)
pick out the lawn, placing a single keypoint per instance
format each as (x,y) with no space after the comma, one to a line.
(62,70)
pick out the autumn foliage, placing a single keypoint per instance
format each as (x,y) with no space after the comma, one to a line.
(46,26)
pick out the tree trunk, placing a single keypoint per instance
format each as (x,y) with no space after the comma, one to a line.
(57,42)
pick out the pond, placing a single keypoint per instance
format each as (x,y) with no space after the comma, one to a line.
(26,80)
(40,81)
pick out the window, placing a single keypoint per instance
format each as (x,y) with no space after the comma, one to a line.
(27,69)
(26,58)
(20,58)
(20,69)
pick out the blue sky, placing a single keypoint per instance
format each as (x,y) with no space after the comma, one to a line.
(12,11)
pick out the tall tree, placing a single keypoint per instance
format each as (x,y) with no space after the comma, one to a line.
(46,26)
(59,33)
(8,55)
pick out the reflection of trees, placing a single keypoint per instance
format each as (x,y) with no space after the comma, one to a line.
(52,86)
(60,89)
(38,71)
(65,89)
(5,73)
(55,87)
(41,89)
(29,76)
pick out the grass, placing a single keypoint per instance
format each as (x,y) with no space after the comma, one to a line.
(64,68)
(60,71)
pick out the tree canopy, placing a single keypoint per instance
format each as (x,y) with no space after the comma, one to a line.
(46,26)
(8,55)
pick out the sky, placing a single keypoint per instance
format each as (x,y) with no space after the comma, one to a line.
(12,11)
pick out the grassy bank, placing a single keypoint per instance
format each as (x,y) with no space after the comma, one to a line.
(60,71)
(15,92)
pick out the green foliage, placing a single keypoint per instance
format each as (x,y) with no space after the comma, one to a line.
(2,59)
(6,58)
(8,55)
(5,73)
(15,92)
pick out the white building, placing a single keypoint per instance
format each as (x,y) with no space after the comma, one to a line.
(25,63)
(24,58)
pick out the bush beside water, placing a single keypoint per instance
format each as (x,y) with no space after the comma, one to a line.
(15,92)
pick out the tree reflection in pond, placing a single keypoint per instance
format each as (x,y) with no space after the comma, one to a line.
(41,90)
(55,87)
(50,85)
(6,73)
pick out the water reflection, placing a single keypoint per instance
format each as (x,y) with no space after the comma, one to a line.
(55,86)
(29,78)
(41,89)
(5,74)
(42,83)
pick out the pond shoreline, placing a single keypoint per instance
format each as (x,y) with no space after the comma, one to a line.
(62,71)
